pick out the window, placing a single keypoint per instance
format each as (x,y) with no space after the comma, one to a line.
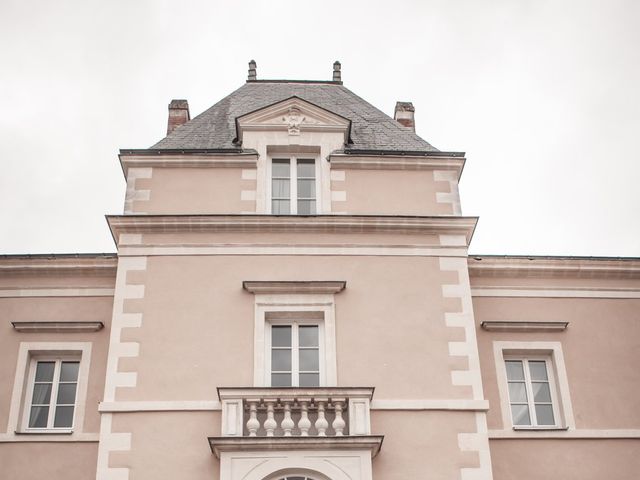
(297,196)
(530,392)
(533,386)
(295,355)
(50,389)
(53,385)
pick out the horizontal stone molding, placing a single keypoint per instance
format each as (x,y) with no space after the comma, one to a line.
(554,267)
(59,265)
(523,326)
(160,406)
(56,292)
(193,160)
(215,405)
(67,436)
(57,327)
(563,433)
(428,404)
(396,162)
(257,444)
(369,224)
(347,250)
(557,292)
(271,287)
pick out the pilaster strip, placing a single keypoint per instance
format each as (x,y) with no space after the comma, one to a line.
(118,349)
(453,195)
(134,194)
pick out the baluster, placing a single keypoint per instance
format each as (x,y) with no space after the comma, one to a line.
(338,422)
(253,424)
(270,423)
(287,422)
(304,424)
(321,421)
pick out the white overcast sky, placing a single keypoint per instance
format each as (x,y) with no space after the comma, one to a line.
(544,96)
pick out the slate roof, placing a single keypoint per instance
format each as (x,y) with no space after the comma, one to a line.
(371,129)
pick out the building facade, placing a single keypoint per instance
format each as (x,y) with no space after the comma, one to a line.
(292,298)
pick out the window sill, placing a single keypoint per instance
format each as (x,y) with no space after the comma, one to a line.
(57,431)
(527,428)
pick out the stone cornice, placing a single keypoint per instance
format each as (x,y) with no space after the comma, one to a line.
(396,162)
(154,224)
(59,265)
(275,393)
(271,287)
(187,159)
(57,327)
(523,326)
(556,267)
(256,444)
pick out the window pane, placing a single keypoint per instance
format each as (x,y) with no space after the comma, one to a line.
(308,335)
(306,189)
(520,415)
(66,394)
(541,392)
(306,207)
(306,168)
(280,188)
(309,380)
(517,392)
(280,207)
(309,361)
(538,370)
(69,371)
(281,360)
(41,394)
(514,370)
(63,417)
(544,415)
(281,336)
(38,417)
(280,168)
(44,371)
(280,379)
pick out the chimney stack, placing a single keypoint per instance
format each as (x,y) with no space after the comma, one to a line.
(337,74)
(252,71)
(178,114)
(404,115)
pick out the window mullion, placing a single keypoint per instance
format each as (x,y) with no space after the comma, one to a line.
(529,387)
(54,393)
(295,356)
(294,185)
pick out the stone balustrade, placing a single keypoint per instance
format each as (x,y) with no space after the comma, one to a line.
(291,412)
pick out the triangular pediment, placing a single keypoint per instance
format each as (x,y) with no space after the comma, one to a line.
(294,116)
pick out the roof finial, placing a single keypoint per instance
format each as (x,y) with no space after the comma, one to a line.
(337,75)
(252,71)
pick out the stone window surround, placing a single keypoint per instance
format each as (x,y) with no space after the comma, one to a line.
(535,350)
(27,354)
(306,300)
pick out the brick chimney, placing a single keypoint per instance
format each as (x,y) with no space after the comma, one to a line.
(337,74)
(252,71)
(404,115)
(178,114)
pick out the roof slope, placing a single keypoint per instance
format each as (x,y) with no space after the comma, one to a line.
(371,129)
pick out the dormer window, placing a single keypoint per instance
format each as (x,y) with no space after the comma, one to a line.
(293,186)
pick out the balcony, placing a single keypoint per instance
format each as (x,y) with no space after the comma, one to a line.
(292,418)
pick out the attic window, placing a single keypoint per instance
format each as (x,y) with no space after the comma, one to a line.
(293,186)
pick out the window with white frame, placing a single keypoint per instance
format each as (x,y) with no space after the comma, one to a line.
(293,186)
(295,354)
(531,392)
(533,385)
(52,392)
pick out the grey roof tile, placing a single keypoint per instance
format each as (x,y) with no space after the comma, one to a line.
(371,129)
